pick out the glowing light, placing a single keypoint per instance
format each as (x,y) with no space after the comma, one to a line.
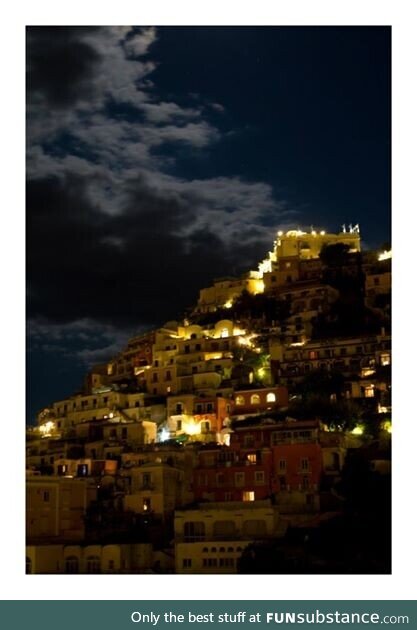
(314,233)
(367,372)
(382,409)
(358,430)
(191,428)
(111,415)
(295,233)
(47,428)
(386,255)
(164,436)
(322,233)
(280,233)
(239,331)
(298,343)
(386,426)
(228,304)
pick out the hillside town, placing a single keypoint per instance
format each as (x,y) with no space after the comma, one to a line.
(252,435)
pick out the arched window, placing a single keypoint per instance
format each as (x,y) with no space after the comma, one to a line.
(255,399)
(28,565)
(240,400)
(71,564)
(93,564)
(224,332)
(270,397)
(194,530)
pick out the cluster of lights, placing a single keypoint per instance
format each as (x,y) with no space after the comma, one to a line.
(47,428)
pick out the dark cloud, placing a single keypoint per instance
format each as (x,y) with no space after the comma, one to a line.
(60,64)
(127,269)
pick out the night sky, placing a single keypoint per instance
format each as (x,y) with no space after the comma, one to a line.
(161,158)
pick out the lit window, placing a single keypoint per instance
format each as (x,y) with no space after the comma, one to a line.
(248,495)
(270,397)
(385,359)
(224,332)
(240,400)
(251,457)
(255,399)
(369,391)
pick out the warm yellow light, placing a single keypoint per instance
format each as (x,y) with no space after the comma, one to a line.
(228,304)
(191,428)
(322,233)
(386,255)
(239,331)
(314,233)
(386,426)
(47,428)
(358,430)
(280,233)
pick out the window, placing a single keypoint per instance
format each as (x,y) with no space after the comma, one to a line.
(82,470)
(249,440)
(146,506)
(306,483)
(248,495)
(46,496)
(154,377)
(282,464)
(199,409)
(178,409)
(369,391)
(224,332)
(282,483)
(239,400)
(385,359)
(239,478)
(179,425)
(228,496)
(205,426)
(305,464)
(312,355)
(270,397)
(259,477)
(209,407)
(251,457)
(168,376)
(255,399)
(186,563)
(146,480)
(194,530)
(93,564)
(71,564)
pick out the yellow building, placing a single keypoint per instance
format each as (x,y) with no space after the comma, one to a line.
(211,539)
(156,488)
(306,245)
(56,506)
